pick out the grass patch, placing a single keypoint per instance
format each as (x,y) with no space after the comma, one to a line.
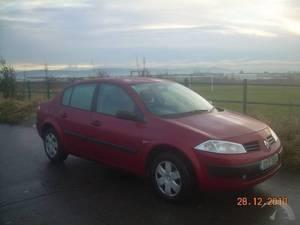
(15,111)
(288,131)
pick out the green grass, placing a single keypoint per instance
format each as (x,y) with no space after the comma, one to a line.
(274,94)
(229,92)
(270,94)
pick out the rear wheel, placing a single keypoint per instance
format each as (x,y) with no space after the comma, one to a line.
(53,146)
(171,177)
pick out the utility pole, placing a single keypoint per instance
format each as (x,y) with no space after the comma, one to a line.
(46,70)
(144,67)
(24,84)
(137,65)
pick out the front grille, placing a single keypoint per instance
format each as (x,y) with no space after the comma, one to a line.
(271,140)
(254,145)
(251,146)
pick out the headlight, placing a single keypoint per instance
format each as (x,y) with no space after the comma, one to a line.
(274,135)
(223,147)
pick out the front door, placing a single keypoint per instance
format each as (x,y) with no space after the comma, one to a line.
(116,141)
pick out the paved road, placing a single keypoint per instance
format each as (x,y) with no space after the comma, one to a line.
(34,192)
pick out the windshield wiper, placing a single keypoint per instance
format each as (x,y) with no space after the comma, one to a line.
(196,111)
(174,115)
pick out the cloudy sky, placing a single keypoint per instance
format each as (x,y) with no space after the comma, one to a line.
(254,35)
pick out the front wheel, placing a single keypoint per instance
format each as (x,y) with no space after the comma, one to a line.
(53,146)
(171,177)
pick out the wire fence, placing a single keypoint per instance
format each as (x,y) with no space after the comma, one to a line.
(219,91)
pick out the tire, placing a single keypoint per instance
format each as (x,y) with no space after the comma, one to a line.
(53,147)
(171,177)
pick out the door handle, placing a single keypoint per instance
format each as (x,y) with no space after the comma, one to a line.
(64,115)
(96,123)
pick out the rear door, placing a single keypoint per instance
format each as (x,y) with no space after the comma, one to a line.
(116,141)
(76,117)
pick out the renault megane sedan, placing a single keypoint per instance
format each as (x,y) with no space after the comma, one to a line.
(161,130)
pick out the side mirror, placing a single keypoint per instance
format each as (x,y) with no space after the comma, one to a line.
(126,115)
(219,109)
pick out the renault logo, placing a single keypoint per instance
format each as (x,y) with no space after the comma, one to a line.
(267,144)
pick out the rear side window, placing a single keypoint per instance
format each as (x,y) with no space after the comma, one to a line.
(112,99)
(82,96)
(66,96)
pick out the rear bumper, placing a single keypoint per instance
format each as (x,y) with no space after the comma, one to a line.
(235,176)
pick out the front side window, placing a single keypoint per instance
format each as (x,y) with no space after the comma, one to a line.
(82,96)
(113,99)
(66,96)
(169,99)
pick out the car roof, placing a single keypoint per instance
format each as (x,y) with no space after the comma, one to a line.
(124,80)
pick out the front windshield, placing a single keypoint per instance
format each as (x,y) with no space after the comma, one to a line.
(168,99)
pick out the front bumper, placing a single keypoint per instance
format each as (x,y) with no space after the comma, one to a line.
(234,174)
(246,172)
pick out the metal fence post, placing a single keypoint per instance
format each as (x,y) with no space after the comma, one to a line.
(48,88)
(24,89)
(245,96)
(28,90)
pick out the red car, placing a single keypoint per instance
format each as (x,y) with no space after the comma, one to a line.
(162,130)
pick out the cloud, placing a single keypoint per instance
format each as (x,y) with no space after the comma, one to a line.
(37,4)
(116,31)
(250,31)
(14,19)
(167,26)
(212,28)
(292,26)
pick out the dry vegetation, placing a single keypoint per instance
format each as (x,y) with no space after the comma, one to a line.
(288,130)
(14,111)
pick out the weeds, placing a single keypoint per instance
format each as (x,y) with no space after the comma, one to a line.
(14,111)
(288,131)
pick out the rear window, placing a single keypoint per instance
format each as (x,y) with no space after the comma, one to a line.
(82,96)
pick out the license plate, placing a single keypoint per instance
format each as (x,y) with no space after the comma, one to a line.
(269,162)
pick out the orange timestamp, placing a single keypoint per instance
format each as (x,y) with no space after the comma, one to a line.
(261,201)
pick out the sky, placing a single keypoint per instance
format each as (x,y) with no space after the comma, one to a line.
(254,35)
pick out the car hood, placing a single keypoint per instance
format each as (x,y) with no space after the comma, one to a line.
(221,125)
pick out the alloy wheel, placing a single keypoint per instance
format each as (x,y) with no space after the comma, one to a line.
(51,144)
(168,178)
